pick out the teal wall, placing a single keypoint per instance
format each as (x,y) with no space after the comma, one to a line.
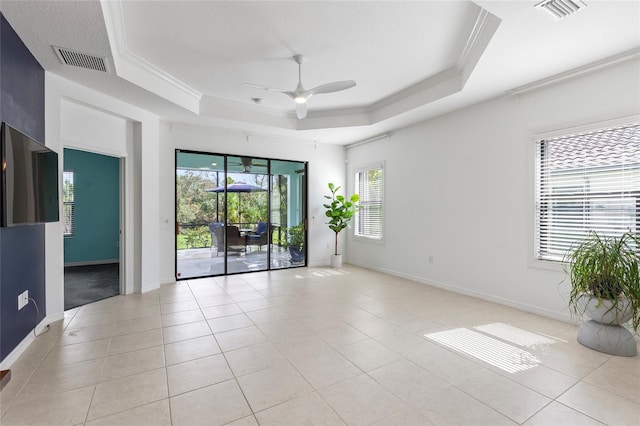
(97,207)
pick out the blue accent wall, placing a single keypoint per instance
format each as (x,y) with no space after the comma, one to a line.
(97,207)
(22,248)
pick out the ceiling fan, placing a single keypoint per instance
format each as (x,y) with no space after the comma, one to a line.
(246,163)
(301,95)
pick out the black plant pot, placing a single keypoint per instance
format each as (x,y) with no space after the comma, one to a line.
(296,254)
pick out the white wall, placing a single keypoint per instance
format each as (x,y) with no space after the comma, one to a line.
(84,119)
(80,118)
(88,129)
(326,163)
(460,188)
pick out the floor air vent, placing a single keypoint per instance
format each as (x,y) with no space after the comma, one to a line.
(560,9)
(82,60)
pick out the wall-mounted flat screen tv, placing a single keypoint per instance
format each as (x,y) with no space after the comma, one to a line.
(29,180)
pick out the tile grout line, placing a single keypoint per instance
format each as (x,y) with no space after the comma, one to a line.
(164,357)
(289,362)
(320,303)
(39,364)
(226,361)
(313,389)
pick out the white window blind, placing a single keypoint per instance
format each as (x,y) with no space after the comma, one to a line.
(369,187)
(585,182)
(68,200)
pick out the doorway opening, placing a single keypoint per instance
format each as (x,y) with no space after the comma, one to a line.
(91,226)
(237,214)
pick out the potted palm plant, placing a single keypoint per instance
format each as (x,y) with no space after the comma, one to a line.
(339,211)
(605,286)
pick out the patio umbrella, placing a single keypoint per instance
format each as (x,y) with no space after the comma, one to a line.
(238,187)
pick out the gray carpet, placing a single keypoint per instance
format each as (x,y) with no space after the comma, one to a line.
(86,284)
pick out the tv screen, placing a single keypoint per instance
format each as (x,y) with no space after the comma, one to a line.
(29,180)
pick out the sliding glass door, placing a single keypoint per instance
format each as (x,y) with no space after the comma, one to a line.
(288,213)
(238,214)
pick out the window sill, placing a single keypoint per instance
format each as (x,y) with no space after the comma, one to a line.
(547,265)
(379,241)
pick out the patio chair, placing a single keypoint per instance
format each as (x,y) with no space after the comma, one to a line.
(212,232)
(236,243)
(260,237)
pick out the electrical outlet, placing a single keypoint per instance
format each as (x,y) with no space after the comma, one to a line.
(23,299)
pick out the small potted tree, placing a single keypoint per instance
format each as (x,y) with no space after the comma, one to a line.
(339,211)
(296,244)
(605,286)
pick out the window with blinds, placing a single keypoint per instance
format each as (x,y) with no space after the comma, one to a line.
(585,182)
(369,186)
(68,196)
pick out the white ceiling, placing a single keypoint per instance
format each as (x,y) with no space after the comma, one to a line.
(186,60)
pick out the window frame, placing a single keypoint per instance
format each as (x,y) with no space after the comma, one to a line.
(534,138)
(372,239)
(69,203)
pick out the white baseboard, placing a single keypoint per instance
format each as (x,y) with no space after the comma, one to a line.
(490,298)
(29,338)
(168,281)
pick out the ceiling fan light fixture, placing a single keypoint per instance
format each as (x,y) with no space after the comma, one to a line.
(300,96)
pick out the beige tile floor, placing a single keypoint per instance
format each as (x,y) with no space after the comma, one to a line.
(314,346)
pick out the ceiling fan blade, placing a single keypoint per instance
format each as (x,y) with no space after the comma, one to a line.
(289,93)
(331,87)
(270,89)
(301,110)
(300,95)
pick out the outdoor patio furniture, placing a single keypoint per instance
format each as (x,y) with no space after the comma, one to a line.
(236,243)
(260,237)
(212,231)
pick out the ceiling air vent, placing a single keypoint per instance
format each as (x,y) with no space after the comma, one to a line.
(561,8)
(82,60)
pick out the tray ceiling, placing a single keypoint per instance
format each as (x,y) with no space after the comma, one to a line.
(186,60)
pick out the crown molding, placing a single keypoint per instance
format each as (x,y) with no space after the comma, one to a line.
(483,30)
(139,71)
(629,55)
(445,83)
(431,89)
(240,112)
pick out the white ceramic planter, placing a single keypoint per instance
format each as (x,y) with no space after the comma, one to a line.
(603,331)
(604,311)
(336,261)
